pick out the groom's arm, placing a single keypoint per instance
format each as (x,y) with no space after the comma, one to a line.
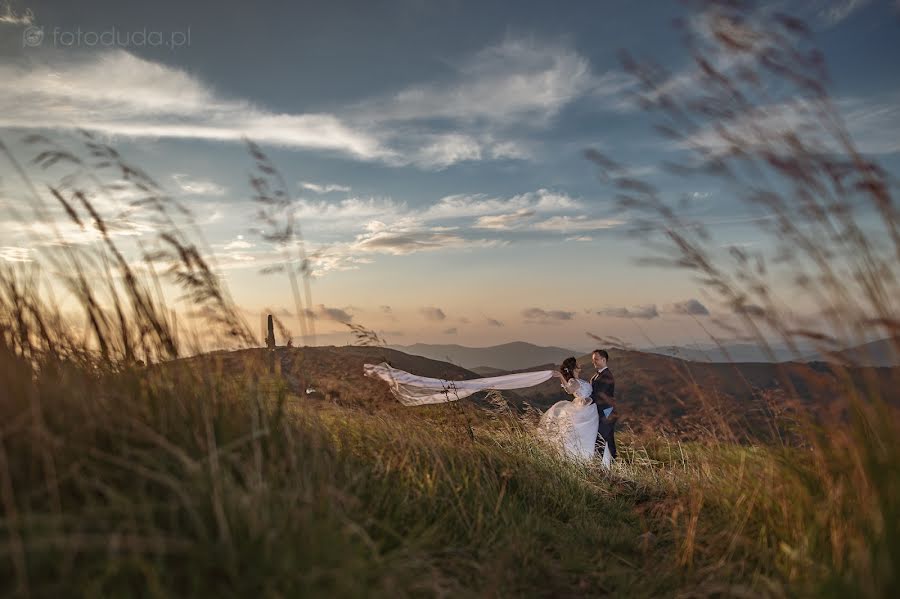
(605,389)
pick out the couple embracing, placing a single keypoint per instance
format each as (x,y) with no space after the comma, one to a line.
(586,424)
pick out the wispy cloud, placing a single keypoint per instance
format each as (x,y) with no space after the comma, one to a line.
(647,312)
(323,187)
(541,316)
(407,238)
(432,313)
(566,224)
(504,221)
(197,187)
(836,11)
(11,17)
(517,80)
(117,93)
(691,307)
(323,312)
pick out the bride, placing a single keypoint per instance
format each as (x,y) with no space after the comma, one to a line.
(571,426)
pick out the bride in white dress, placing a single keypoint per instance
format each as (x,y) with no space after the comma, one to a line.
(571,426)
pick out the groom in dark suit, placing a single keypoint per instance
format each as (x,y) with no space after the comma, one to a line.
(603,393)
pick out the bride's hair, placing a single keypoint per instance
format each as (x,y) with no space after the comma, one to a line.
(568,368)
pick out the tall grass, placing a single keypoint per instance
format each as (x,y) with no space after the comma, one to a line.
(126,470)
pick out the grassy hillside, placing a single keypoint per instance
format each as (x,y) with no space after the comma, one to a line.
(200,478)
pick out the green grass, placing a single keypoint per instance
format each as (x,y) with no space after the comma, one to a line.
(179,483)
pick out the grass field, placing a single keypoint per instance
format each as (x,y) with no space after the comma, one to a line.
(185,482)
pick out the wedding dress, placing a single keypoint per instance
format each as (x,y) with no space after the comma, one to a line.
(571,426)
(414,390)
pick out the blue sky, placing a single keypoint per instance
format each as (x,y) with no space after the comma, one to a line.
(435,148)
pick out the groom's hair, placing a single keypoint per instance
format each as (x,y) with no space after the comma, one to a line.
(602,353)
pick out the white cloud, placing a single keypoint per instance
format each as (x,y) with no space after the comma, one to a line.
(504,221)
(514,81)
(117,93)
(10,17)
(324,187)
(582,222)
(197,187)
(238,244)
(463,205)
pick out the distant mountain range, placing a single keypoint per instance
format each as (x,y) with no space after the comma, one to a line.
(735,352)
(881,353)
(505,357)
(519,355)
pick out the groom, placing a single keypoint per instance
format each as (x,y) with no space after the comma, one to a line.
(603,393)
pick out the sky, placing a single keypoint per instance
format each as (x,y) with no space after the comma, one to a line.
(435,150)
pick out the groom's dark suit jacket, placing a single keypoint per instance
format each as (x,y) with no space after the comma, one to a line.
(603,388)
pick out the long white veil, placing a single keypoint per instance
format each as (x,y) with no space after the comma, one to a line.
(412,390)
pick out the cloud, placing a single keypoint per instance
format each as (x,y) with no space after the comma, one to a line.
(323,187)
(471,205)
(504,221)
(238,244)
(407,237)
(450,331)
(691,307)
(647,312)
(197,187)
(324,313)
(518,80)
(434,314)
(10,17)
(117,93)
(479,114)
(565,224)
(493,322)
(838,10)
(388,312)
(540,316)
(580,238)
(873,124)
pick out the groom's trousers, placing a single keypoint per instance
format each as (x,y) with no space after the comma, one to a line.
(607,432)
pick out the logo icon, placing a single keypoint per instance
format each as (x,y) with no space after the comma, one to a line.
(33,36)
